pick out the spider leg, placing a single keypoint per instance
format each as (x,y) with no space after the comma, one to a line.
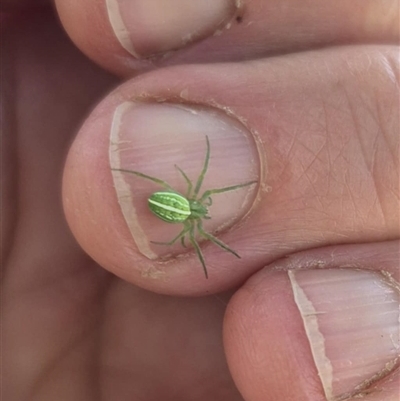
(190,184)
(183,241)
(181,235)
(215,240)
(210,192)
(208,201)
(203,171)
(197,249)
(147,177)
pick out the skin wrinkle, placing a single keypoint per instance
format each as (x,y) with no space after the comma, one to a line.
(348,187)
(357,128)
(353,202)
(367,163)
(345,188)
(375,112)
(372,208)
(374,164)
(380,122)
(330,176)
(330,163)
(375,177)
(317,197)
(287,158)
(356,212)
(317,154)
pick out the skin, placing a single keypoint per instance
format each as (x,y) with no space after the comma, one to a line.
(67,320)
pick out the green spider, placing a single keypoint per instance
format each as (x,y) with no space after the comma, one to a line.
(189,210)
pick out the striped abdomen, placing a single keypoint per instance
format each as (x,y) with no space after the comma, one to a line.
(169,206)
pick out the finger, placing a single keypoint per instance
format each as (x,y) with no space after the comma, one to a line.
(51,291)
(130,36)
(318,131)
(319,325)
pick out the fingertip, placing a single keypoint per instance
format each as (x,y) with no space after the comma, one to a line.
(128,37)
(305,328)
(86,23)
(131,36)
(265,342)
(107,208)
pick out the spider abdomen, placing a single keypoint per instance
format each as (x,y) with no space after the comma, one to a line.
(169,206)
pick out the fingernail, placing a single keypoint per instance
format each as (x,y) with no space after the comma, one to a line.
(149,27)
(351,318)
(152,139)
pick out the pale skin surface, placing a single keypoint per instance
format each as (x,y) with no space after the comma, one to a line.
(74,331)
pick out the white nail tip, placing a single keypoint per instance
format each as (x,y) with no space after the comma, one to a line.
(351,319)
(120,30)
(309,316)
(118,145)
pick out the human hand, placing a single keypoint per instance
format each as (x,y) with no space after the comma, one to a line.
(326,123)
